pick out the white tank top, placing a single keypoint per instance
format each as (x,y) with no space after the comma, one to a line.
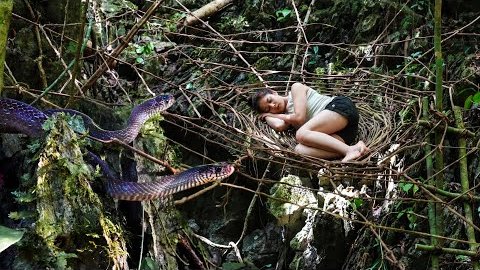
(315,103)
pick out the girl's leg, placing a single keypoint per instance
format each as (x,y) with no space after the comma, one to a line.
(319,132)
(315,152)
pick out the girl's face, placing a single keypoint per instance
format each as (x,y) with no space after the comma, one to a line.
(272,103)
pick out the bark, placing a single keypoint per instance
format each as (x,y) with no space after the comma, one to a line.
(206,11)
(439,164)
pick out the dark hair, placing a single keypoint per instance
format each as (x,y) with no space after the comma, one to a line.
(255,98)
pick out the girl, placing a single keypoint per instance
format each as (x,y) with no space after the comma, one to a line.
(326,126)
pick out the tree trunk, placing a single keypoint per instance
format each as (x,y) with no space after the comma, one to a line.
(5,16)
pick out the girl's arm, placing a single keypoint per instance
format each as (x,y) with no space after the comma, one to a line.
(296,119)
(277,124)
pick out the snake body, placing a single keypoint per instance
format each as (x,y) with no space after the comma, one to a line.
(19,117)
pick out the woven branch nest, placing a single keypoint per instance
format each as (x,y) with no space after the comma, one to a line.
(379,101)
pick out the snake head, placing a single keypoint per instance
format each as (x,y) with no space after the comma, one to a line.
(213,172)
(164,101)
(223,170)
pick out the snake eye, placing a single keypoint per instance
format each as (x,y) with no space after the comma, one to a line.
(218,170)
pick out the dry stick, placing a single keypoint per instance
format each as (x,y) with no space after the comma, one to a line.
(143,81)
(462,143)
(206,11)
(451,34)
(252,204)
(143,154)
(300,33)
(79,50)
(196,194)
(384,30)
(67,68)
(390,255)
(465,195)
(229,42)
(123,44)
(39,59)
(230,245)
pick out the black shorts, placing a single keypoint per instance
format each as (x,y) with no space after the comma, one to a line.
(345,106)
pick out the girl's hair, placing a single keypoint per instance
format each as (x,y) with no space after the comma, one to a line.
(255,98)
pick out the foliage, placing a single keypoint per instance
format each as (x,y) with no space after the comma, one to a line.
(149,264)
(408,210)
(233,24)
(314,56)
(283,14)
(472,101)
(9,237)
(143,51)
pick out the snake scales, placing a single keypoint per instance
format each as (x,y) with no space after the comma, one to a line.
(18,117)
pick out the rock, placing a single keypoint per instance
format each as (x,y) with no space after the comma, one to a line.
(262,247)
(289,198)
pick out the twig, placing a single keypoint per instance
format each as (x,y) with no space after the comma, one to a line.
(123,44)
(39,59)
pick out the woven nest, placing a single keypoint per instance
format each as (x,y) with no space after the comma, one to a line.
(379,100)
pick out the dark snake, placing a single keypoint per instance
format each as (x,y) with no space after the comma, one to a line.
(19,117)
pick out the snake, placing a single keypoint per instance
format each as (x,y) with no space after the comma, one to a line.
(19,117)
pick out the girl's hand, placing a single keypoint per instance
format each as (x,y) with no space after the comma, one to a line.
(263,115)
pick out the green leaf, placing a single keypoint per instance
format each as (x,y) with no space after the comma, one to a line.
(140,49)
(407,187)
(140,60)
(415,189)
(71,46)
(232,266)
(9,237)
(150,47)
(149,264)
(282,14)
(476,98)
(358,202)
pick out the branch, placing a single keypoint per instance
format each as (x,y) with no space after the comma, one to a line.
(206,11)
(123,44)
(456,131)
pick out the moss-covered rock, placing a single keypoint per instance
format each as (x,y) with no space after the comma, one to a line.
(289,200)
(72,227)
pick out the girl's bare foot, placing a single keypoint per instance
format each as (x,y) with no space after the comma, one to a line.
(356,151)
(361,147)
(351,155)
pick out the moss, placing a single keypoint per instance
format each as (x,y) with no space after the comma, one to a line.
(264,63)
(6,14)
(71,228)
(282,192)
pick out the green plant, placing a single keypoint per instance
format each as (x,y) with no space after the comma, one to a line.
(471,101)
(283,14)
(9,237)
(406,187)
(409,189)
(143,50)
(420,5)
(314,56)
(233,24)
